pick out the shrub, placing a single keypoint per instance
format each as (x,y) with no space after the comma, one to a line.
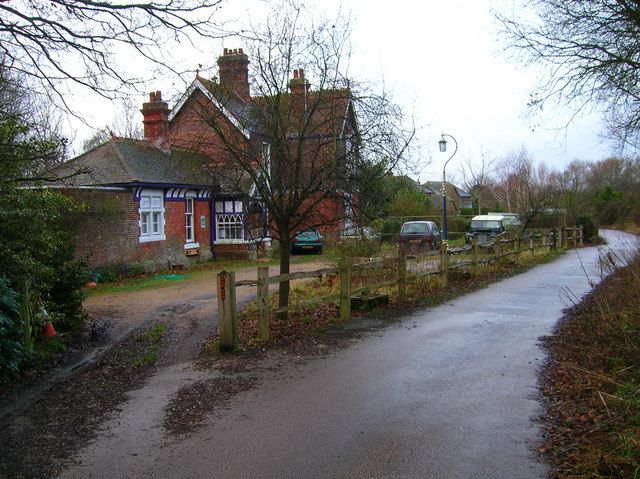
(390,229)
(589,227)
(11,350)
(456,224)
(66,294)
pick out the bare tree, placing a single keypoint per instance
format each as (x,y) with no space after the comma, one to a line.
(59,42)
(477,176)
(573,185)
(309,133)
(524,187)
(591,48)
(126,124)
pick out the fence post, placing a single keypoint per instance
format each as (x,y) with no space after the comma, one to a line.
(227,325)
(554,244)
(402,275)
(496,249)
(532,243)
(263,302)
(474,256)
(581,234)
(574,236)
(518,245)
(563,236)
(444,263)
(345,288)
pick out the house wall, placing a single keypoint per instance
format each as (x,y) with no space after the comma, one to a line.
(191,129)
(107,235)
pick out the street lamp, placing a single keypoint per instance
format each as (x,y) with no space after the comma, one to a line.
(443,147)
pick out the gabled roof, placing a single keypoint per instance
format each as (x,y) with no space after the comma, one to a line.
(332,108)
(122,161)
(227,101)
(436,186)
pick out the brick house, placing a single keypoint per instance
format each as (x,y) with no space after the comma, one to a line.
(162,201)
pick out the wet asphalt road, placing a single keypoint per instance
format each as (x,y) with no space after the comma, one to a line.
(448,392)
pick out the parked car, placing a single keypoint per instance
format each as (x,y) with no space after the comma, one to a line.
(485,227)
(307,240)
(420,235)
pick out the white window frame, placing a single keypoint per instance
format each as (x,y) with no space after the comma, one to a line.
(230,222)
(190,222)
(151,216)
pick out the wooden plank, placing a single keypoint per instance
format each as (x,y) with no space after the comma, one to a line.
(368,265)
(422,274)
(247,282)
(302,275)
(308,303)
(382,284)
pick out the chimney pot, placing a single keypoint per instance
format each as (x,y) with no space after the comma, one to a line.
(295,73)
(155,115)
(234,72)
(301,73)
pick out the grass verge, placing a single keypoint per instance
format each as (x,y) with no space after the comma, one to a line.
(591,383)
(167,278)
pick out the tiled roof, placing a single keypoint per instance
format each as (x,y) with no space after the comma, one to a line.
(122,161)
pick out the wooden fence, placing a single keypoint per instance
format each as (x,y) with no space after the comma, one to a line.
(433,263)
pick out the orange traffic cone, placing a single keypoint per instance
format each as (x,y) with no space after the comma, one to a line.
(48,330)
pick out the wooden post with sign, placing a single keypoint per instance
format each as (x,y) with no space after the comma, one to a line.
(402,275)
(227,321)
(263,302)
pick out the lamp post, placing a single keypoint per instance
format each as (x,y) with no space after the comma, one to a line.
(443,147)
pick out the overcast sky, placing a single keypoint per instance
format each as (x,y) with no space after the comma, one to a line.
(444,60)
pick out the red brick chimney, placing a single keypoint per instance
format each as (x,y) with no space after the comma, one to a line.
(299,87)
(155,115)
(234,72)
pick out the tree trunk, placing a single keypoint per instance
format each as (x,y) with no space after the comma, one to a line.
(285,263)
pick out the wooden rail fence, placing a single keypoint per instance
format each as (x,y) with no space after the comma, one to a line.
(467,258)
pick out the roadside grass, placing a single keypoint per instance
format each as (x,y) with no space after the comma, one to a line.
(591,383)
(316,319)
(169,277)
(150,343)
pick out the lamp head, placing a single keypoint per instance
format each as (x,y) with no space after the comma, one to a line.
(443,144)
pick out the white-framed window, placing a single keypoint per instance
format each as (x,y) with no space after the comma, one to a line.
(151,216)
(189,221)
(230,226)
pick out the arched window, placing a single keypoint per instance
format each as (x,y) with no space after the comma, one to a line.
(230,226)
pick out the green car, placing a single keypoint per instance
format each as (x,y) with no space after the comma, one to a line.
(308,240)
